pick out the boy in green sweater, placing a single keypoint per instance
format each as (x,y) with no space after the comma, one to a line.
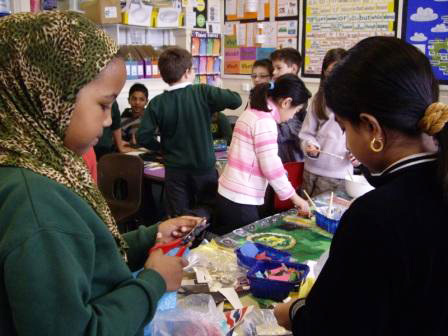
(183,115)
(64,267)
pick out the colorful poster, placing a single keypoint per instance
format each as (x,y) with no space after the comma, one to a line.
(248,54)
(287,8)
(246,67)
(264,53)
(270,34)
(425,25)
(287,42)
(287,29)
(231,7)
(329,24)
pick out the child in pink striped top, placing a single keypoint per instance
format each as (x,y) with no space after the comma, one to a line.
(253,159)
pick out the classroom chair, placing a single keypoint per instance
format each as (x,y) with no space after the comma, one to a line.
(295,176)
(120,179)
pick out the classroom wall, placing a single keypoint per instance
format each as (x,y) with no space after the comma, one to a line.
(239,82)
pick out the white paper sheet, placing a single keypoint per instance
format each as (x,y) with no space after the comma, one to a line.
(231,7)
(231,296)
(241,7)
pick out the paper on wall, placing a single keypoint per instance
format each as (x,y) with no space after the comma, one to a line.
(272,10)
(241,35)
(287,8)
(241,7)
(190,17)
(214,28)
(213,11)
(260,12)
(250,35)
(229,28)
(231,7)
(251,6)
(270,33)
(287,28)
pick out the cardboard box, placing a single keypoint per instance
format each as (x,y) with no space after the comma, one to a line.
(102,11)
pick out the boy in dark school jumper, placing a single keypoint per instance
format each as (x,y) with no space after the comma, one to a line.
(284,61)
(183,115)
(131,117)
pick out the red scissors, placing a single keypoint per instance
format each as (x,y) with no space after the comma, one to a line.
(182,243)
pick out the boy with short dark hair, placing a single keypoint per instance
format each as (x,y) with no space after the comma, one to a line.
(131,117)
(286,60)
(183,115)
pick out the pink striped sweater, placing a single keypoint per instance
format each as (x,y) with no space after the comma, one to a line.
(253,160)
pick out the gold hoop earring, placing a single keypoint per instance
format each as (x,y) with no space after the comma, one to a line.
(375,148)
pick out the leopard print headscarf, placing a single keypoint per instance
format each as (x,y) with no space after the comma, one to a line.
(45,59)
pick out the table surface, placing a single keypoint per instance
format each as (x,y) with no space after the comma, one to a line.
(157,174)
(311,240)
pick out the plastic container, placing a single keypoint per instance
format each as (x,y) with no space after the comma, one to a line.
(274,289)
(357,185)
(273,253)
(326,223)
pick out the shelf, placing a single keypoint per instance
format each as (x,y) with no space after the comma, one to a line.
(122,25)
(206,55)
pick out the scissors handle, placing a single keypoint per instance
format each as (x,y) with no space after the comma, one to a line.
(166,247)
(181,251)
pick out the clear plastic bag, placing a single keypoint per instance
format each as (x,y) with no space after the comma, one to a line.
(220,262)
(195,315)
(261,322)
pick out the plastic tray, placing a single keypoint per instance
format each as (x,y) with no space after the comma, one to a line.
(271,252)
(326,223)
(274,289)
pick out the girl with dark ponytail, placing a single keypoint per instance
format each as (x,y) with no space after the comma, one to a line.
(386,271)
(253,159)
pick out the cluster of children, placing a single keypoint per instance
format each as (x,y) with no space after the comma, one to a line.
(60,247)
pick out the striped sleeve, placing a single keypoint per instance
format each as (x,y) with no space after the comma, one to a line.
(266,149)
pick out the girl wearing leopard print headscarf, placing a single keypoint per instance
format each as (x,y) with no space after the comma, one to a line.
(64,267)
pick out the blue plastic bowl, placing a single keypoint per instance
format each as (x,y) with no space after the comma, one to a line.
(271,252)
(326,223)
(274,289)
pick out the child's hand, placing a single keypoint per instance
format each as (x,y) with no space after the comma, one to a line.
(124,147)
(170,268)
(301,204)
(312,150)
(177,227)
(281,313)
(354,161)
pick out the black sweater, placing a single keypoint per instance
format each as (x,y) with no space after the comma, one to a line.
(387,272)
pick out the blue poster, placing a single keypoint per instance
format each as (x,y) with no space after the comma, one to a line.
(425,25)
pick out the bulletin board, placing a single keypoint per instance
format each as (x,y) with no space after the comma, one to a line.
(329,24)
(426,27)
(254,29)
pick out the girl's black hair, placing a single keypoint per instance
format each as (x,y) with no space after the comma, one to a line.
(265,63)
(319,105)
(390,80)
(286,86)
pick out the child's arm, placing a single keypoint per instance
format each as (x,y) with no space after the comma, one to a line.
(221,99)
(307,134)
(145,133)
(289,130)
(122,146)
